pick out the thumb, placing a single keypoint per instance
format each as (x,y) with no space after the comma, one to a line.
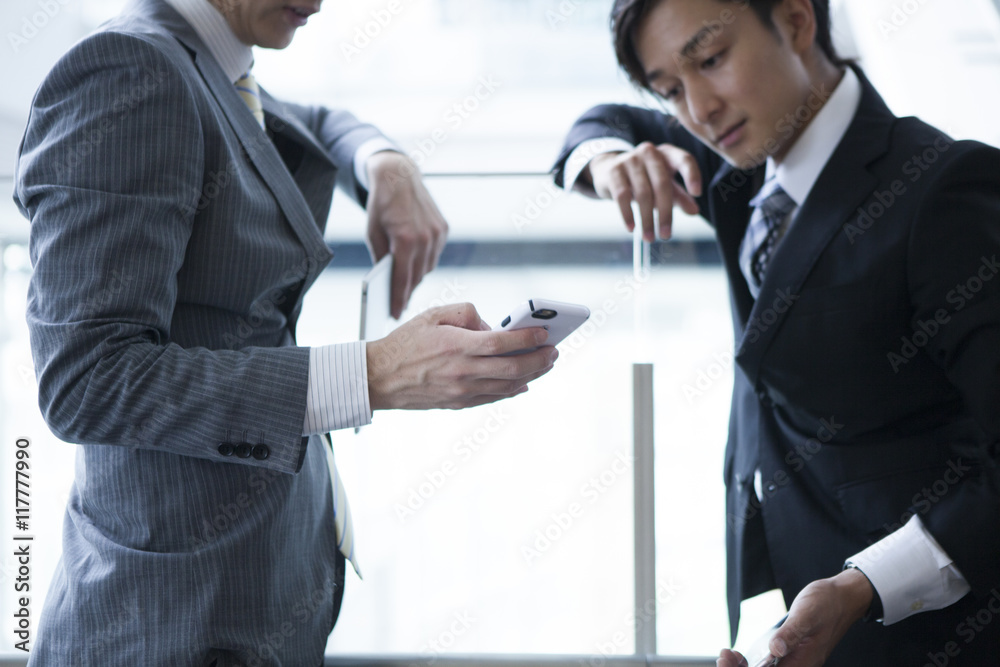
(787,638)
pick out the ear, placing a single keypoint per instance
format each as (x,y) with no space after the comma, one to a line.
(796,20)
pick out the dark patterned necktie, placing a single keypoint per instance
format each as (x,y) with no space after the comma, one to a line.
(771,206)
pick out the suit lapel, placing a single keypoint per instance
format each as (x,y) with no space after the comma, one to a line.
(731,191)
(258,146)
(284,121)
(264,156)
(842,187)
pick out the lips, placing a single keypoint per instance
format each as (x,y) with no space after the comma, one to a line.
(730,136)
(304,12)
(299,16)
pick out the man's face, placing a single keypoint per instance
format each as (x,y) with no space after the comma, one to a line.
(730,79)
(267,23)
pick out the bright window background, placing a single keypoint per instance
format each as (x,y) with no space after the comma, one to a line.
(537,64)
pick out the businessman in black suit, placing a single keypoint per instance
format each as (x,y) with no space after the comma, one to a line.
(862,255)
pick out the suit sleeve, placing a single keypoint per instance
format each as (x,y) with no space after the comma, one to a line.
(635,126)
(954,278)
(342,134)
(109,175)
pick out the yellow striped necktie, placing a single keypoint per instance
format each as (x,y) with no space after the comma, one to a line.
(341,511)
(246,86)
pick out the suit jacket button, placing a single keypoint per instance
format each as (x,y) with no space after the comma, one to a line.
(260,452)
(765,399)
(226,449)
(243,450)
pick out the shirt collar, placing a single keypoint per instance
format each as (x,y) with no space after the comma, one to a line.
(801,168)
(233,56)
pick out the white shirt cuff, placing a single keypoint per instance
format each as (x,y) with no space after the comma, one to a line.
(338,388)
(365,151)
(911,572)
(583,154)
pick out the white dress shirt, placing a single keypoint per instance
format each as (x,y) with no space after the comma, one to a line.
(337,396)
(908,569)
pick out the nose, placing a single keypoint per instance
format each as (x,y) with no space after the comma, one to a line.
(702,102)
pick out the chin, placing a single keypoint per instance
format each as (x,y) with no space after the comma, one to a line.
(276,40)
(740,160)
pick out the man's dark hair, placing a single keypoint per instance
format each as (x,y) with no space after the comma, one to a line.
(627,16)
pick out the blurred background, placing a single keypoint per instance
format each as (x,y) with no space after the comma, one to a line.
(460,516)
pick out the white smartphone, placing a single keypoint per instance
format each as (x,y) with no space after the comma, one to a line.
(558,318)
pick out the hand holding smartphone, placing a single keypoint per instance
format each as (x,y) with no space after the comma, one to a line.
(558,318)
(759,654)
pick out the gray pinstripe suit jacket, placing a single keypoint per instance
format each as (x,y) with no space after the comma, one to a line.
(172,243)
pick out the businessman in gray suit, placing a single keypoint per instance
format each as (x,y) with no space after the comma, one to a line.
(177,215)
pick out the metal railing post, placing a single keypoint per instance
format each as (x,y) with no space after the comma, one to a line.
(644,524)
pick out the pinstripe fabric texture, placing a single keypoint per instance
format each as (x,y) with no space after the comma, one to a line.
(172,244)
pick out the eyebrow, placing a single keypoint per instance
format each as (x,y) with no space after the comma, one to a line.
(686,52)
(692,44)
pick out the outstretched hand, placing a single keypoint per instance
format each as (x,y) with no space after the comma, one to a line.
(403,220)
(645,175)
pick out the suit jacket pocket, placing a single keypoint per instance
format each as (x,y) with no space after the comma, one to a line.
(879,505)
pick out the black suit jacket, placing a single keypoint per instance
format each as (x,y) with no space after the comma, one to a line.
(868,379)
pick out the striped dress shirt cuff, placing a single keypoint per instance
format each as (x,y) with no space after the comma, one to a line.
(337,396)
